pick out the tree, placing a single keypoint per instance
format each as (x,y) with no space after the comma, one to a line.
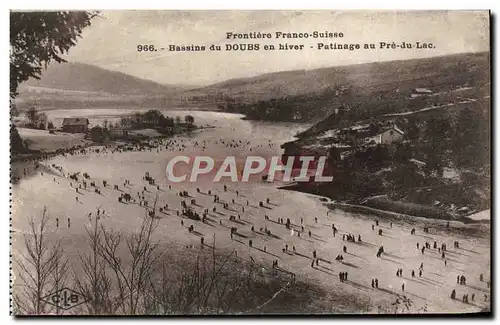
(177,120)
(38,38)
(50,125)
(125,122)
(32,115)
(38,267)
(471,141)
(189,119)
(41,121)
(95,284)
(97,134)
(403,152)
(16,143)
(13,109)
(412,132)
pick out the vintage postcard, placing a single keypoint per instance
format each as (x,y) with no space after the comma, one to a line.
(224,162)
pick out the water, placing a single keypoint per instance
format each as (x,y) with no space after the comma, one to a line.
(116,167)
(227,124)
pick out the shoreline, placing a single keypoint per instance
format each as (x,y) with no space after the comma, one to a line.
(392,214)
(386,213)
(40,154)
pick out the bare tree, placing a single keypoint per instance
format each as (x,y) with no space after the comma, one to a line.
(59,277)
(131,277)
(38,267)
(96,284)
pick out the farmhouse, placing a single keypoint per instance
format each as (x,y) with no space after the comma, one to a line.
(75,125)
(418,92)
(386,136)
(373,134)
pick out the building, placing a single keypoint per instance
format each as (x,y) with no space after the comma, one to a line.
(372,134)
(75,125)
(386,136)
(418,92)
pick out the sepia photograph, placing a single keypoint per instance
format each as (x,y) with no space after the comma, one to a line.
(250,162)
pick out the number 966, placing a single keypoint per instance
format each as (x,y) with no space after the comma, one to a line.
(146,48)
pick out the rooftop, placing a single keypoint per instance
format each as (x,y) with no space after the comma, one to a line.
(75,121)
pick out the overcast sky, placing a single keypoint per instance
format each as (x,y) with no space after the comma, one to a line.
(111,42)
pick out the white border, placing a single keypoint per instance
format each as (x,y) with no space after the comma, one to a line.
(494,5)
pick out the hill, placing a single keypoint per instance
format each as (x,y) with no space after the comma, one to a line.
(365,77)
(298,95)
(380,88)
(82,86)
(89,78)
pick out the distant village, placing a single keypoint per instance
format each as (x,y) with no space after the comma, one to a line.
(134,127)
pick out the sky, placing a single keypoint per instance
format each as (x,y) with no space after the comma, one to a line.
(111,42)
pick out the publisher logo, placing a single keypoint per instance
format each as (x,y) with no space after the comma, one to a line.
(65,298)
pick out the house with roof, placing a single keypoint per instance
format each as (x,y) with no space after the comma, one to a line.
(373,134)
(75,125)
(388,135)
(418,92)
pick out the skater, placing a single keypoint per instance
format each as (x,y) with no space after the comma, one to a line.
(69,222)
(57,224)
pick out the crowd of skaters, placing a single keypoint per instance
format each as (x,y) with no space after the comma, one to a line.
(83,181)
